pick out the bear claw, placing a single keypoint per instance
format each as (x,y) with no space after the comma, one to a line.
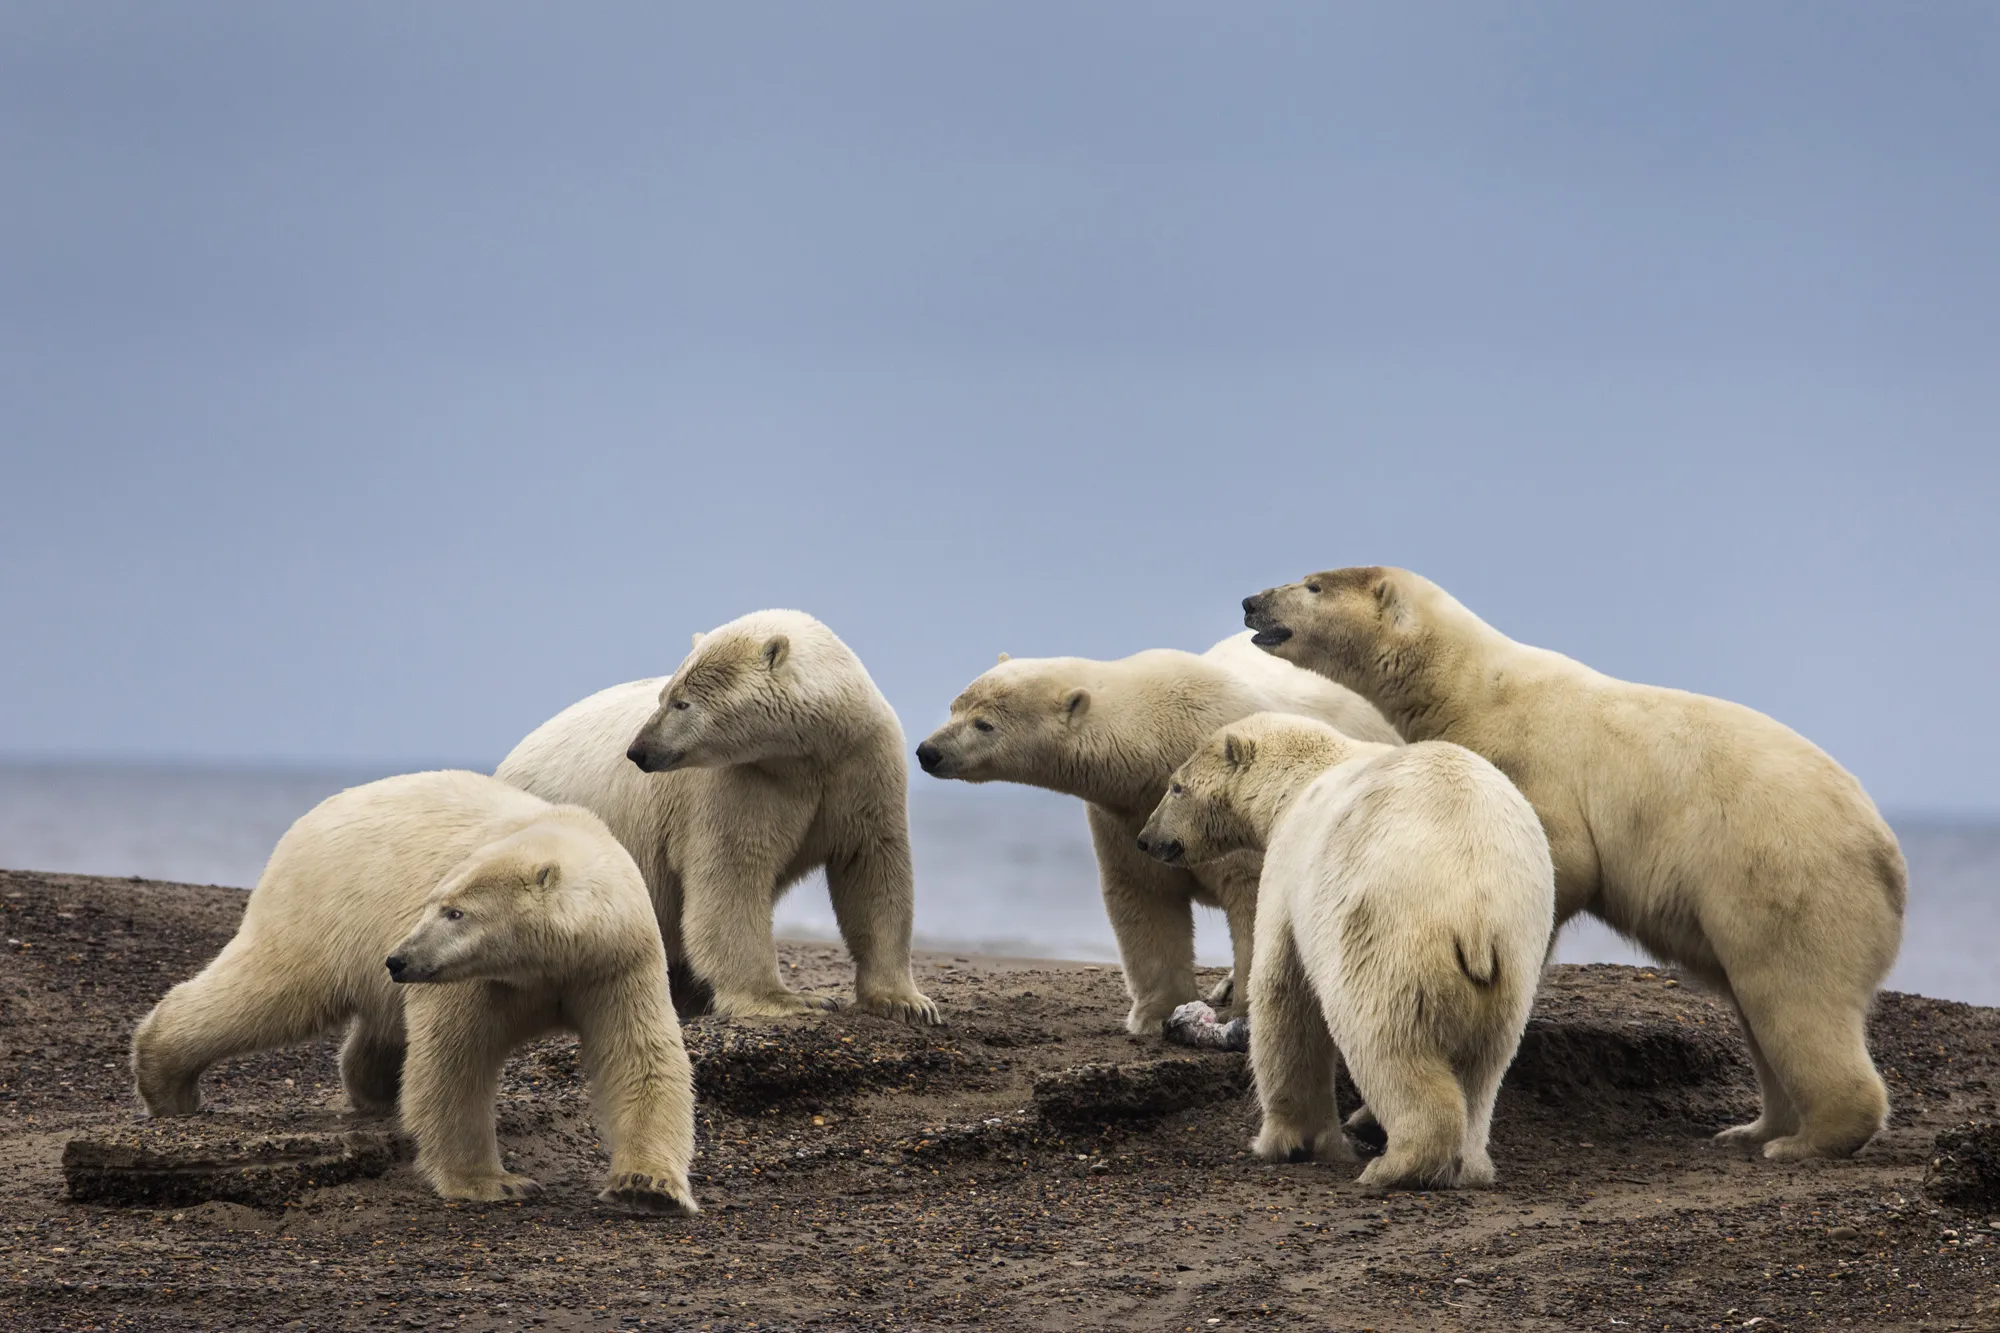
(646,1193)
(490,1189)
(913,1008)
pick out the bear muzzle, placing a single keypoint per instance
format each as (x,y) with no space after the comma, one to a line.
(1169,850)
(1257,616)
(929,757)
(404,972)
(654,761)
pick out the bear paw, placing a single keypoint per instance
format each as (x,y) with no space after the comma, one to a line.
(171,1102)
(1477,1173)
(776,1004)
(909,1006)
(650,1192)
(1797,1148)
(1281,1144)
(488,1189)
(1222,992)
(1148,1018)
(1755,1134)
(1367,1131)
(1384,1174)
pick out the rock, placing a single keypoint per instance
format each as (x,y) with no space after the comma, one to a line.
(1964,1170)
(1091,1095)
(1556,1059)
(194,1161)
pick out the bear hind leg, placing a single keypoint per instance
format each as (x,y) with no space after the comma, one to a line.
(237,1004)
(371,1066)
(1817,1048)
(1417,1097)
(1480,1082)
(1777,1117)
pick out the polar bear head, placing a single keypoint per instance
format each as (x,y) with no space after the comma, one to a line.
(1023,721)
(545,901)
(1393,637)
(769,685)
(1228,795)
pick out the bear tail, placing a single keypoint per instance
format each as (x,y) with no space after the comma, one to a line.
(1478,960)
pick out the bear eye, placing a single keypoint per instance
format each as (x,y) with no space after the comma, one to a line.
(452,914)
(981,724)
(680,705)
(1312,587)
(1176,789)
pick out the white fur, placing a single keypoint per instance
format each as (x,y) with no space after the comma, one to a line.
(786,759)
(1111,733)
(552,930)
(1406,901)
(1709,833)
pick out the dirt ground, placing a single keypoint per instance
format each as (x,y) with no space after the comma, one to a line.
(856,1174)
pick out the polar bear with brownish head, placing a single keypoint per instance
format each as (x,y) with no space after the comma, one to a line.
(444,919)
(1405,906)
(1712,835)
(768,754)
(1111,733)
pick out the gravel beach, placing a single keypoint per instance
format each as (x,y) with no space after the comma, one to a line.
(1027,1166)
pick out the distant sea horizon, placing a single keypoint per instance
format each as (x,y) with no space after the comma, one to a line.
(1001,869)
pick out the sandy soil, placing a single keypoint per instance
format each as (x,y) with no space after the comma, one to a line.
(994,1173)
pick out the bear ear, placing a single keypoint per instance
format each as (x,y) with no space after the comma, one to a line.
(1385,593)
(699,635)
(1004,657)
(548,875)
(1076,703)
(1238,751)
(776,649)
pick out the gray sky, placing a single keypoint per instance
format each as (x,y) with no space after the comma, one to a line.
(376,379)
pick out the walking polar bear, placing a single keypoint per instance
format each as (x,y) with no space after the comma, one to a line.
(768,754)
(1111,733)
(1712,835)
(1406,904)
(504,918)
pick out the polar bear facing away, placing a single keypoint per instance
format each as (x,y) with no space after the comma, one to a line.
(503,918)
(1714,836)
(768,754)
(1406,903)
(1111,733)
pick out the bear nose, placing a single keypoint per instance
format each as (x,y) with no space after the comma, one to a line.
(637,754)
(929,757)
(1145,844)
(1169,851)
(396,965)
(1250,603)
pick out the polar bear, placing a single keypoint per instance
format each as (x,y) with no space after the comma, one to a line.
(768,754)
(1708,833)
(1111,733)
(518,917)
(1406,903)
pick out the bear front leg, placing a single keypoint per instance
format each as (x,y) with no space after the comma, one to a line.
(1239,904)
(1151,907)
(726,927)
(641,1088)
(874,900)
(459,1037)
